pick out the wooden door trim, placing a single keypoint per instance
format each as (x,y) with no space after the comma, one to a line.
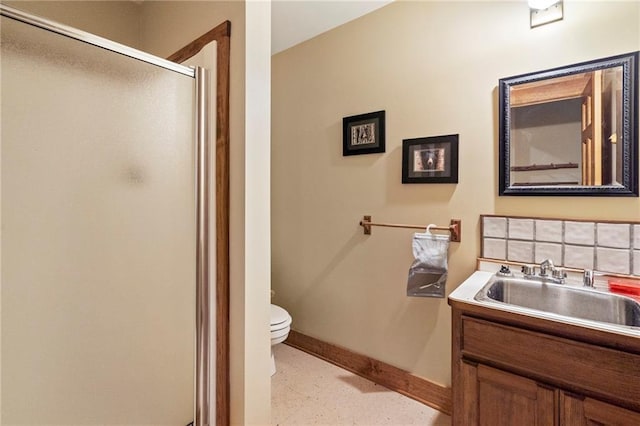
(221,34)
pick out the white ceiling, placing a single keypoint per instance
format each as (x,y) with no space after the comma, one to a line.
(294,21)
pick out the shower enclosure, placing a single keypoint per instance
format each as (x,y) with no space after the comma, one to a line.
(104,234)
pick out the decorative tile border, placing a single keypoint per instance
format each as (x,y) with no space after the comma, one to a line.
(606,246)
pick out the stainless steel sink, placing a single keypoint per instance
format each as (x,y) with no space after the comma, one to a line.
(562,300)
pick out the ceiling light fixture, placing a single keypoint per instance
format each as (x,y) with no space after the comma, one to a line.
(541,4)
(545,11)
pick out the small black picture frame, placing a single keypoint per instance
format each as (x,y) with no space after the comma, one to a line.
(431,159)
(363,134)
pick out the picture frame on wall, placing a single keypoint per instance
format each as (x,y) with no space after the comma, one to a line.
(363,134)
(431,159)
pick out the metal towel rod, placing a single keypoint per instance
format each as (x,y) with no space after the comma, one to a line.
(455,227)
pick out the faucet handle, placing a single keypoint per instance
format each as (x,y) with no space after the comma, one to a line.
(528,270)
(559,274)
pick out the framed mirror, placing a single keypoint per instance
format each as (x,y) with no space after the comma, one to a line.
(571,130)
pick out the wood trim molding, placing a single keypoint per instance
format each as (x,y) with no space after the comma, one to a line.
(221,32)
(222,36)
(396,379)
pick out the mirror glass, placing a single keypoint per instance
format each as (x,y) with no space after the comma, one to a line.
(571,130)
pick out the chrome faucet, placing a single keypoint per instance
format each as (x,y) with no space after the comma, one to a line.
(545,266)
(558,275)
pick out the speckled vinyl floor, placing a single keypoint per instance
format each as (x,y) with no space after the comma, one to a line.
(309,391)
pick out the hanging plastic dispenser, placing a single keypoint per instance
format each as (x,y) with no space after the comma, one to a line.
(428,272)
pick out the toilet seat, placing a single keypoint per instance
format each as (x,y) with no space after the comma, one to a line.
(276,327)
(280,319)
(275,334)
(280,324)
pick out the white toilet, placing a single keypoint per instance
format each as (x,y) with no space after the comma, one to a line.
(280,326)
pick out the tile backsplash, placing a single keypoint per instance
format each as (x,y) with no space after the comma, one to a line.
(579,233)
(520,251)
(496,227)
(549,230)
(603,246)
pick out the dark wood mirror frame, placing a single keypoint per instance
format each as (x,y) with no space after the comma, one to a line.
(627,136)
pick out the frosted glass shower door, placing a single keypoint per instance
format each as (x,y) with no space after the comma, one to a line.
(98,235)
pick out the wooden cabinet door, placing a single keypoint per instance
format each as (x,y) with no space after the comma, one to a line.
(580,411)
(495,398)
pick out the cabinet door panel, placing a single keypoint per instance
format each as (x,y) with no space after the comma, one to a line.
(507,399)
(571,410)
(579,411)
(469,379)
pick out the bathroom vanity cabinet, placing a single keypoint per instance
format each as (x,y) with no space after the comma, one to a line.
(511,369)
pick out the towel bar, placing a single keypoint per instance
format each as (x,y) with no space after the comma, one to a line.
(455,227)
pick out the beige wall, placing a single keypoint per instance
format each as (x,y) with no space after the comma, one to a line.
(115,20)
(434,68)
(161,28)
(547,134)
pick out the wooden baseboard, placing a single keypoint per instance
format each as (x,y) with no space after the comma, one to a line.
(396,379)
